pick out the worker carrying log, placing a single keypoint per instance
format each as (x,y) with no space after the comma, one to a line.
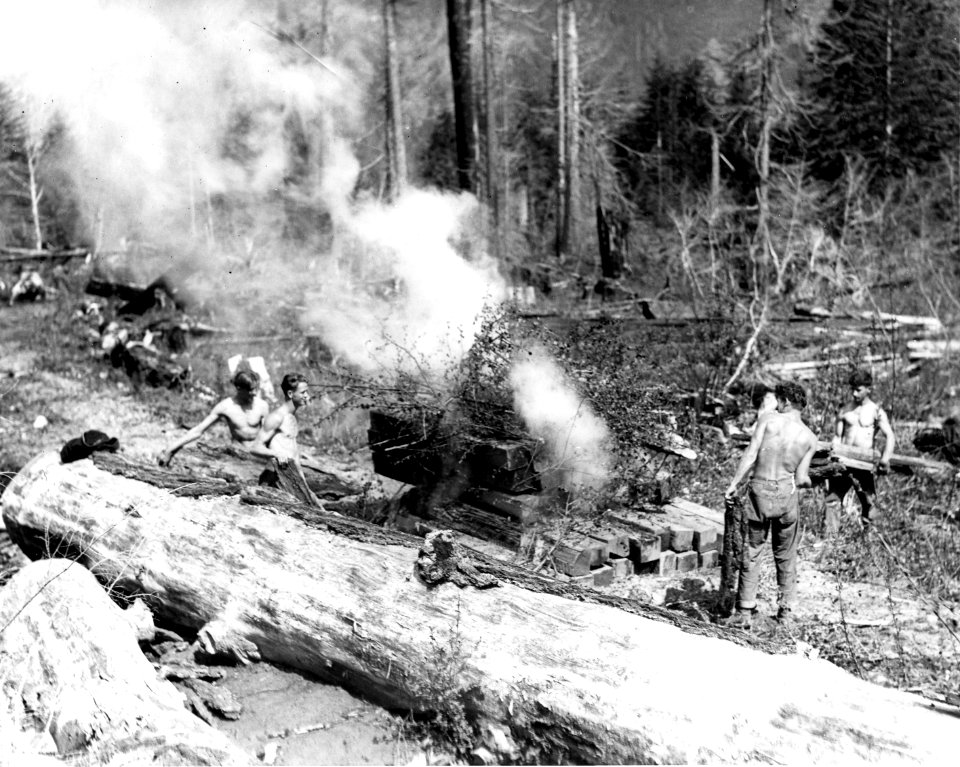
(779,455)
(859,421)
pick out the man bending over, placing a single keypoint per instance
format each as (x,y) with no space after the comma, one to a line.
(243,413)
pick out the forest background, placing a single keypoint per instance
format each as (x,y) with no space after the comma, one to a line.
(389,165)
(385,165)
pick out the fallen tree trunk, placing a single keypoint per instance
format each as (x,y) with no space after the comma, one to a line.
(573,680)
(75,683)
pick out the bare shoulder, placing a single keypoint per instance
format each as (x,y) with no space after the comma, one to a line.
(223,406)
(273,418)
(847,407)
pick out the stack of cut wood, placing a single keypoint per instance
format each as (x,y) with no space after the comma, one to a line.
(491,490)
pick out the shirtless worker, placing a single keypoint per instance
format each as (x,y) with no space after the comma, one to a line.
(243,413)
(278,435)
(857,425)
(779,454)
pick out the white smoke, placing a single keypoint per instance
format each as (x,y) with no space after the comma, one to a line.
(577,439)
(414,250)
(149,90)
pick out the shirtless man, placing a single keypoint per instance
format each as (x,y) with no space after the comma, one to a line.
(779,454)
(857,425)
(243,413)
(278,435)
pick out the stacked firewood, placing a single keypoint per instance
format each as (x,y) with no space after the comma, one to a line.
(491,489)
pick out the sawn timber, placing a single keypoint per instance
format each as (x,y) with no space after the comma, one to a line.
(580,681)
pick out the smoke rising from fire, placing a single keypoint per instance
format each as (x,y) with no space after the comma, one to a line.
(167,105)
(149,92)
(577,440)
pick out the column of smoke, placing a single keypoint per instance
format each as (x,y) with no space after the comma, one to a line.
(147,91)
(577,441)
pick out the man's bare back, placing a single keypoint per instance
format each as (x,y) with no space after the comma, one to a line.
(781,448)
(784,441)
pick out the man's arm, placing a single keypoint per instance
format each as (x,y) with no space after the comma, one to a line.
(191,436)
(802,475)
(269,427)
(838,429)
(890,440)
(750,456)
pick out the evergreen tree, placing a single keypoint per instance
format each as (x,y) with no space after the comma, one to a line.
(883,80)
(665,145)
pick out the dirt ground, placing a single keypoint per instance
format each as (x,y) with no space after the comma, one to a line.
(288,718)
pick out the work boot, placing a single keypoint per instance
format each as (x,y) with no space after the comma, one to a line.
(742,619)
(785,617)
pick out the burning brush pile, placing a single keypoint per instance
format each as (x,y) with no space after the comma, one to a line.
(514,450)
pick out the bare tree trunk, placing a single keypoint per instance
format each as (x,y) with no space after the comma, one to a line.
(458,33)
(714,171)
(888,88)
(492,187)
(571,218)
(763,151)
(561,73)
(35,194)
(396,152)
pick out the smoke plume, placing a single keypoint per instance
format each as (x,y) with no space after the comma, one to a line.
(577,440)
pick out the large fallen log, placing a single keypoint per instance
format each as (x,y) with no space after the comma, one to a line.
(576,681)
(75,683)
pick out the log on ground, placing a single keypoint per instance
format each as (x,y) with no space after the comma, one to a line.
(572,679)
(76,684)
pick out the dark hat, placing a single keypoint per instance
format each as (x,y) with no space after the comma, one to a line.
(86,444)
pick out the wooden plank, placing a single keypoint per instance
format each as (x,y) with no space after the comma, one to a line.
(698,510)
(577,554)
(640,522)
(523,508)
(869,458)
(602,576)
(644,547)
(667,562)
(898,461)
(681,537)
(687,561)
(616,541)
(622,567)
(706,535)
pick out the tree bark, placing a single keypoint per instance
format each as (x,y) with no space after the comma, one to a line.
(396,151)
(73,674)
(571,202)
(561,70)
(574,680)
(461,71)
(491,184)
